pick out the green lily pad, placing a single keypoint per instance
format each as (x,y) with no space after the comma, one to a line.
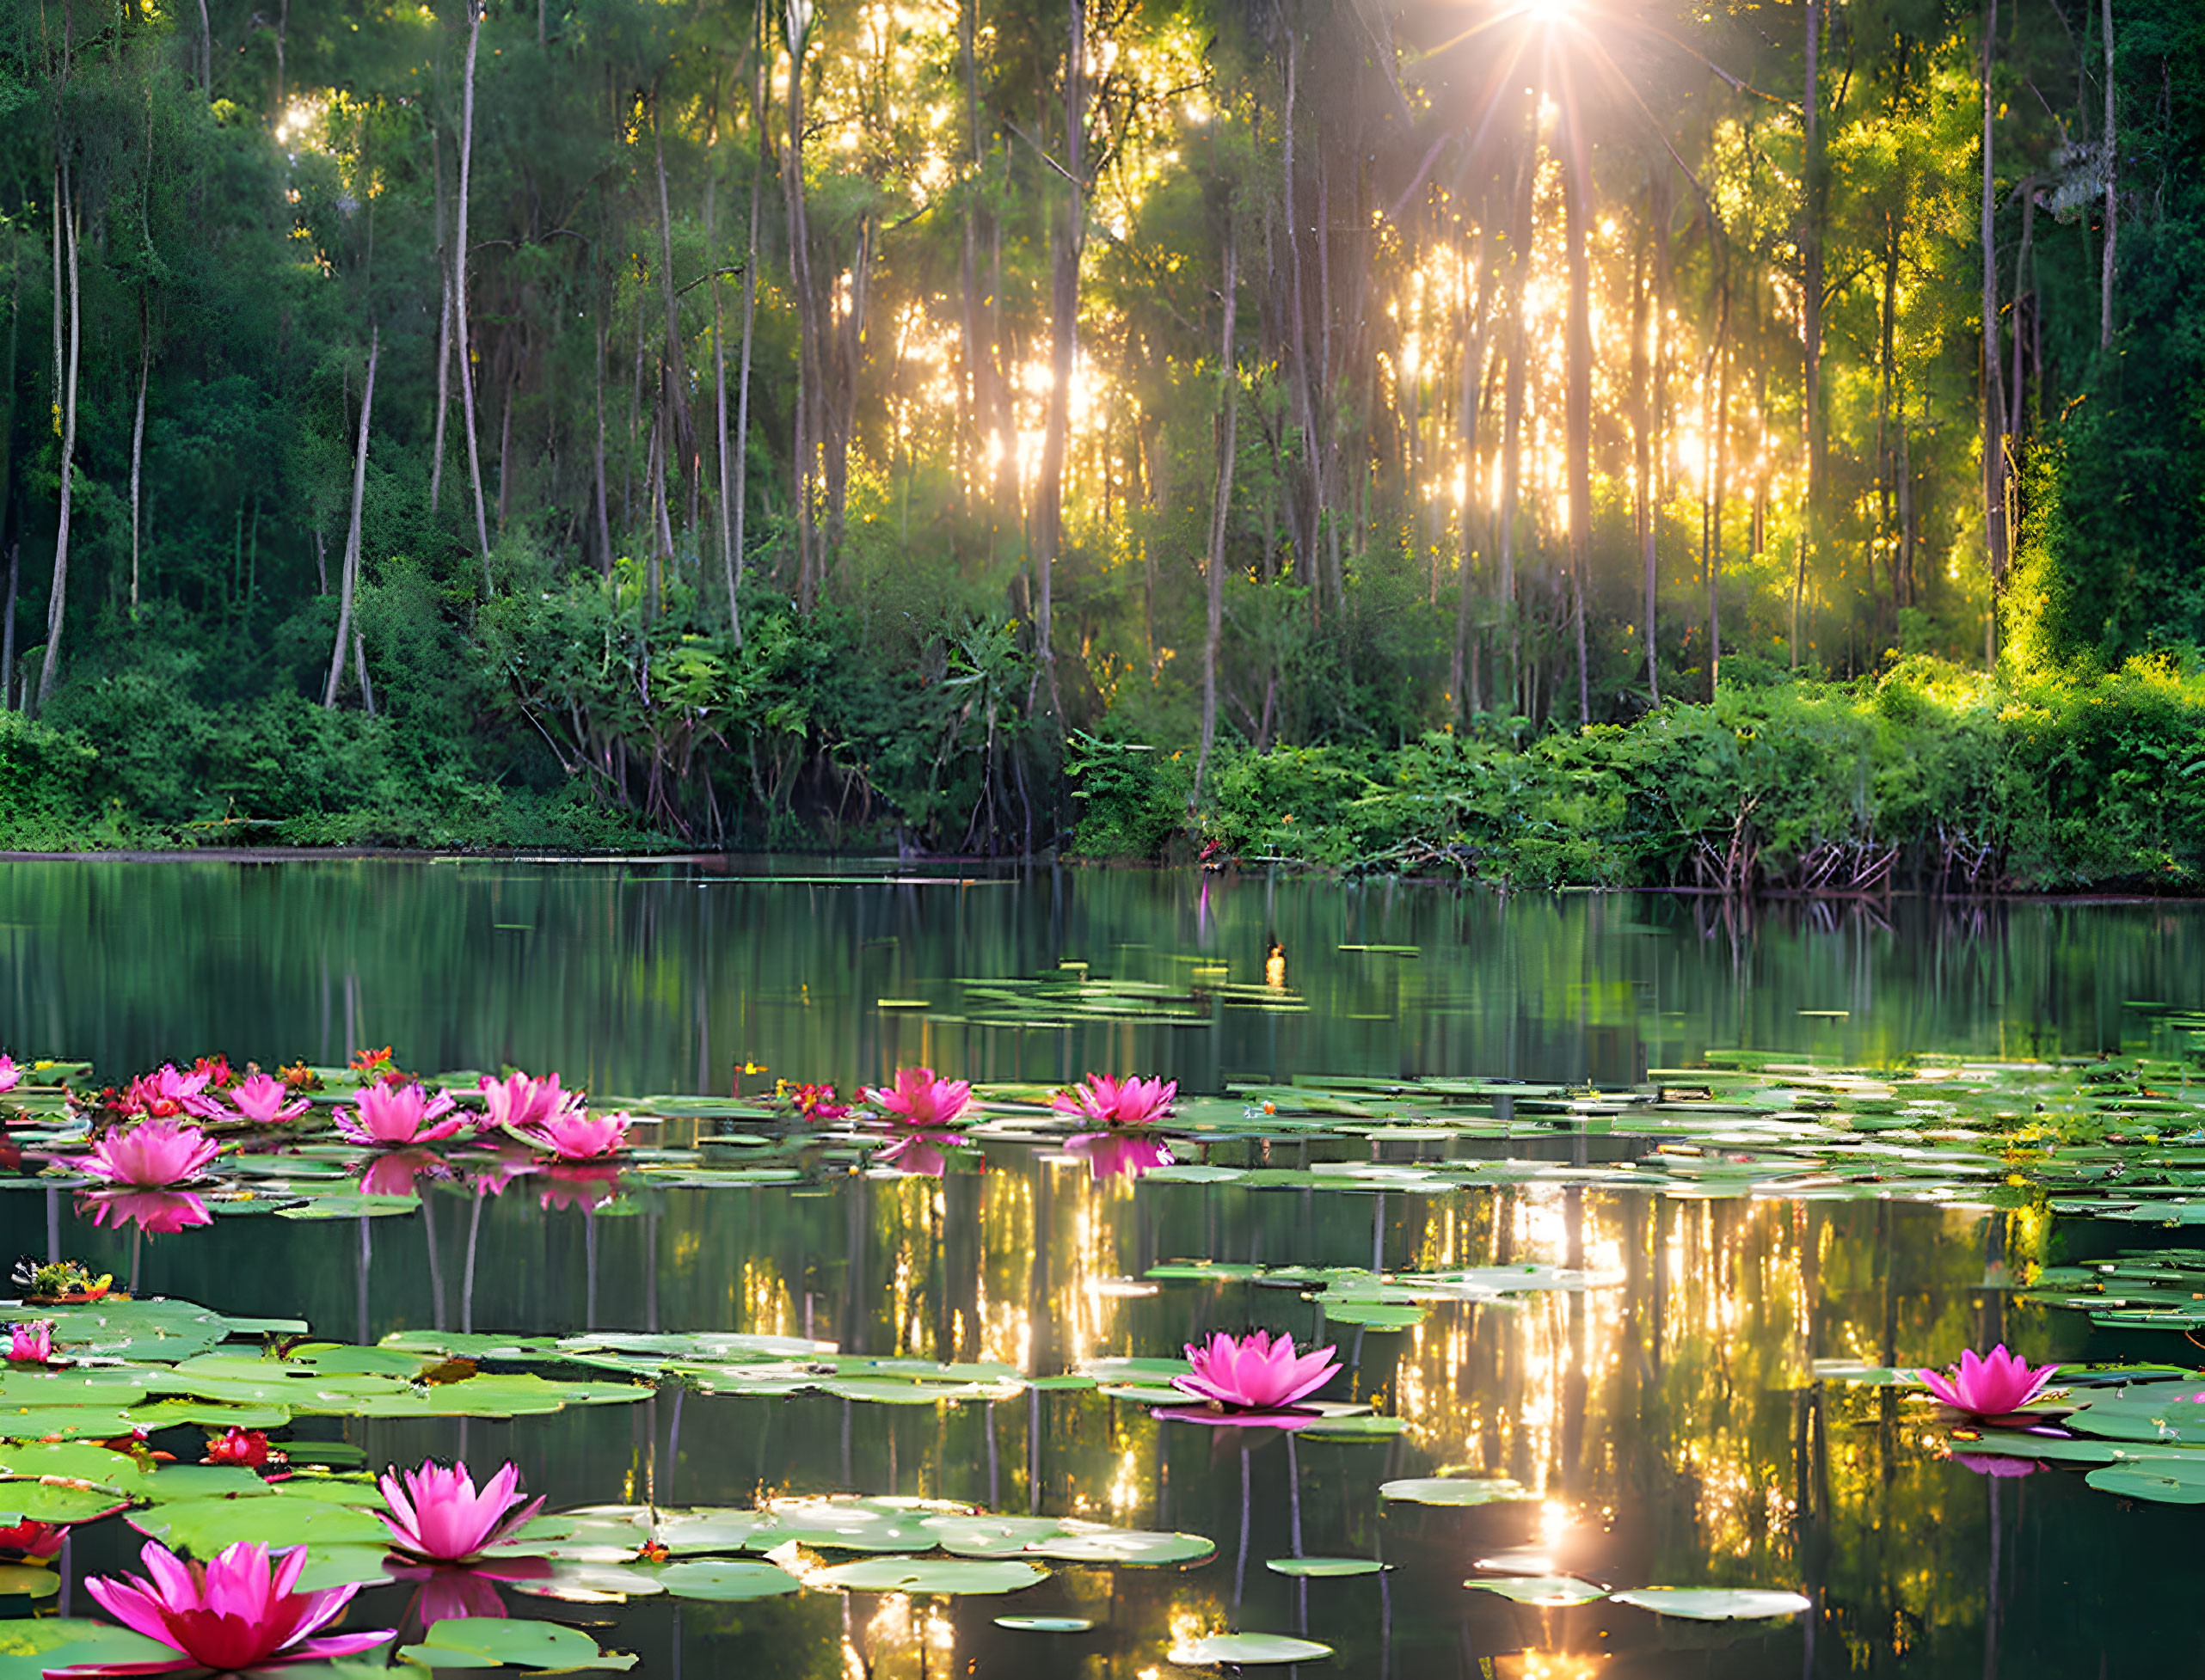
(1547,1592)
(1453,1491)
(1247,1648)
(1712,1603)
(596,1579)
(1325,1568)
(29,1648)
(56,1502)
(1044,1624)
(2162,1481)
(932,1575)
(1126,1545)
(203,1527)
(722,1580)
(496,1641)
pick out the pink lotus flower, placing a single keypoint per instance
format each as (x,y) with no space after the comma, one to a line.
(436,1513)
(575,1136)
(10,1075)
(1255,1372)
(585,1185)
(1116,1155)
(238,1612)
(155,1212)
(1136,1102)
(261,1099)
(31,1344)
(520,1100)
(152,1155)
(35,1540)
(817,1103)
(389,1114)
(921,1099)
(393,1172)
(166,1094)
(1990,1387)
(247,1447)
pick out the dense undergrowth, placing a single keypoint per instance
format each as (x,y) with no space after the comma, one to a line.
(578,728)
(1931,777)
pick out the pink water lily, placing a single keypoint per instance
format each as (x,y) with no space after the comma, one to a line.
(11,1075)
(168,1093)
(389,1113)
(259,1099)
(1108,1101)
(157,1213)
(1118,1155)
(518,1099)
(1255,1372)
(152,1155)
(919,1098)
(576,1136)
(436,1513)
(31,1344)
(1989,1387)
(238,1612)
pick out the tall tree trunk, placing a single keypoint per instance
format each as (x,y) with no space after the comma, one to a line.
(1994,393)
(1810,254)
(1642,443)
(459,296)
(1886,457)
(443,329)
(808,375)
(604,522)
(8,696)
(720,416)
(1221,505)
(1461,676)
(1064,343)
(1718,461)
(1512,422)
(138,447)
(2112,202)
(1577,190)
(740,492)
(684,447)
(348,572)
(66,231)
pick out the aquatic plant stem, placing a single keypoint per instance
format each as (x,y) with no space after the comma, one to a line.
(467,1278)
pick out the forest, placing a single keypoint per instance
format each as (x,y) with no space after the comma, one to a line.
(1749,442)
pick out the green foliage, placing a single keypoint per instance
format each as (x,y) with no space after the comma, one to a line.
(2050,781)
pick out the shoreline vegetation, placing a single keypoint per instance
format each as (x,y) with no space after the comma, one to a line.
(1458,439)
(1931,779)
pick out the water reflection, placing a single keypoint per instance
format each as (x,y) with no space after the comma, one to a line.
(1668,1420)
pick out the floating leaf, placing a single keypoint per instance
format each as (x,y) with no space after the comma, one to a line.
(29,1648)
(1547,1592)
(1044,1624)
(720,1580)
(1247,1648)
(1710,1603)
(1325,1568)
(1453,1491)
(938,1575)
(496,1641)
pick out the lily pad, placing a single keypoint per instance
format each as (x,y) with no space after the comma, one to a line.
(933,1575)
(723,1580)
(1547,1592)
(29,1648)
(1044,1624)
(1711,1603)
(1325,1568)
(1247,1648)
(1453,1491)
(496,1641)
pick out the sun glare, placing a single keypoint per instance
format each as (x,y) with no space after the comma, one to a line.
(1548,12)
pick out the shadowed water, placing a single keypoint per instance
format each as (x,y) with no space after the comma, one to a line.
(1670,1422)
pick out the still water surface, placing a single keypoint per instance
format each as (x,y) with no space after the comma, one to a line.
(1671,1421)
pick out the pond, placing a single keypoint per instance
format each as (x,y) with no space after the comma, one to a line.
(1618,1211)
